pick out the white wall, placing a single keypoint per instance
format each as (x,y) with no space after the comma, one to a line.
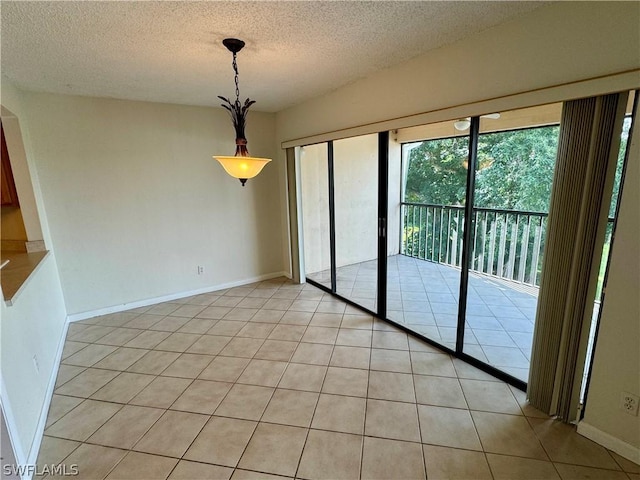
(506,67)
(136,203)
(616,366)
(34,324)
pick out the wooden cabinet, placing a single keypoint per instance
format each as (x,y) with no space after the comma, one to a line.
(8,190)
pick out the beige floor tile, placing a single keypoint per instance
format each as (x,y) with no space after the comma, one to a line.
(296,318)
(221,441)
(242,347)
(161,392)
(390,340)
(292,333)
(262,372)
(445,463)
(507,435)
(154,362)
(115,319)
(527,409)
(304,305)
(172,434)
(382,458)
(209,344)
(89,355)
(121,359)
(464,370)
(71,347)
(439,391)
(576,472)
(391,386)
(354,338)
(274,449)
(242,314)
(298,376)
(252,302)
(312,354)
(91,334)
(346,381)
(390,360)
(193,470)
(54,450)
(394,420)
(227,328)
(147,339)
(326,335)
(281,350)
(126,427)
(136,466)
(177,342)
(163,308)
(331,306)
(448,427)
(359,321)
(330,455)
(323,319)
(239,474)
(169,324)
(291,407)
(256,330)
(417,345)
(490,396)
(227,302)
(94,461)
(80,423)
(188,311)
(340,414)
(224,369)
(267,316)
(197,325)
(60,406)
(563,444)
(66,373)
(202,396)
(350,357)
(123,388)
(87,383)
(625,464)
(432,364)
(214,312)
(517,468)
(120,336)
(188,365)
(143,321)
(246,402)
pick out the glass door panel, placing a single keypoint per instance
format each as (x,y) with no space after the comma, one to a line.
(355,166)
(514,175)
(314,175)
(426,219)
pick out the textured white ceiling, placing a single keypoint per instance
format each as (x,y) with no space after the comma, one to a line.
(167,51)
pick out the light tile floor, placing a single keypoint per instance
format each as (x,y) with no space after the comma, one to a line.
(424,296)
(276,379)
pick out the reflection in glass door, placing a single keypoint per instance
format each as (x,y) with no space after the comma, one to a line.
(355,173)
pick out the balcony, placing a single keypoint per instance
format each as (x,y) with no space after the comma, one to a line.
(423,280)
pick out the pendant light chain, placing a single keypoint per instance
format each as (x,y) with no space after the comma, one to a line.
(235,69)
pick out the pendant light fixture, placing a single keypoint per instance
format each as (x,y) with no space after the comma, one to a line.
(242,165)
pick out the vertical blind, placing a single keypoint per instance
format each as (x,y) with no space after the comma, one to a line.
(587,151)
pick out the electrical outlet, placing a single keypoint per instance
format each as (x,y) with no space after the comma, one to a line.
(629,403)
(36,365)
(200,269)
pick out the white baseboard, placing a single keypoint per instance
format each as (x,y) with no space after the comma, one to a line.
(174,296)
(607,440)
(12,428)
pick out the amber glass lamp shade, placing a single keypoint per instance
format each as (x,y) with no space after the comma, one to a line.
(241,167)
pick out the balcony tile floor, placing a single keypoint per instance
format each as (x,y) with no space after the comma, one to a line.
(424,296)
(192,389)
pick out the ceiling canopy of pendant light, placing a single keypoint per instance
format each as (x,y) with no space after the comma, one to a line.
(242,165)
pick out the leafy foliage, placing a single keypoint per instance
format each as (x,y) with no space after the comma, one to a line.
(238,113)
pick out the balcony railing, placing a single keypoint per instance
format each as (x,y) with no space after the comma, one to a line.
(506,243)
